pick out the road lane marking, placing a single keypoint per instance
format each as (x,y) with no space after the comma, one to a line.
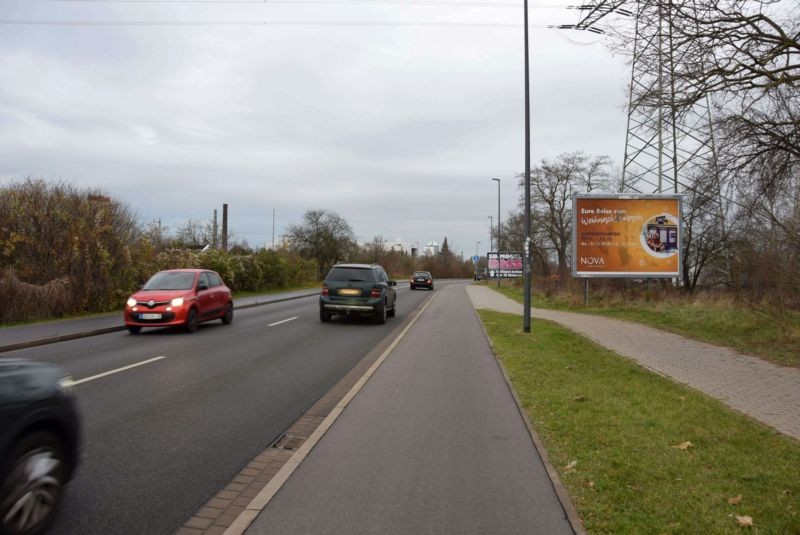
(283,321)
(99,375)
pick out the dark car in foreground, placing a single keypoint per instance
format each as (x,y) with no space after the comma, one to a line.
(358,289)
(40,433)
(184,297)
(422,279)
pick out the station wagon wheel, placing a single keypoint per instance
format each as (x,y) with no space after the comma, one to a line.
(134,329)
(192,321)
(31,490)
(391,313)
(227,318)
(380,313)
(324,316)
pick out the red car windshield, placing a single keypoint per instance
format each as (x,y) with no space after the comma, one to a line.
(166,280)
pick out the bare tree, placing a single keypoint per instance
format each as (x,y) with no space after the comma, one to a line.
(552,185)
(324,236)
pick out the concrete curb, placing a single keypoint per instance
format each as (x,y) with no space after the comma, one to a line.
(106,330)
(561,491)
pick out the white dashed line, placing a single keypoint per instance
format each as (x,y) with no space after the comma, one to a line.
(283,321)
(99,375)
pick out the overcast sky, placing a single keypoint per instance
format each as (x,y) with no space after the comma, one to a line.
(398,128)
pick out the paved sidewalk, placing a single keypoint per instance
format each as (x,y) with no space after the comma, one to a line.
(433,443)
(760,389)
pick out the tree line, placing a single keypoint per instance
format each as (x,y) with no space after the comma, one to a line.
(66,250)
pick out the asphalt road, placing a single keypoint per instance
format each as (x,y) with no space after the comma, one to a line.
(163,436)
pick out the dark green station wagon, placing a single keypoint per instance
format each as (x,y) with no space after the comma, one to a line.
(358,289)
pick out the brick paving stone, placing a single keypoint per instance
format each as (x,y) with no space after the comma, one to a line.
(242,501)
(764,391)
(234,510)
(227,495)
(198,523)
(189,531)
(218,503)
(208,512)
(225,520)
(215,530)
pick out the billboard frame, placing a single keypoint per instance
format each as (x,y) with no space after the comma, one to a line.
(624,274)
(505,274)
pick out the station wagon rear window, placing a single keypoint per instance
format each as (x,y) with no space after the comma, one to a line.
(343,274)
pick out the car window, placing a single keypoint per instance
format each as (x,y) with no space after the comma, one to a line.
(166,280)
(214,279)
(204,280)
(349,274)
(382,275)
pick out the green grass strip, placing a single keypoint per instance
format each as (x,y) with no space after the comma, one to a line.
(770,334)
(620,425)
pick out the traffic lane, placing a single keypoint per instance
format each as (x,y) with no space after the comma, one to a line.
(161,439)
(89,356)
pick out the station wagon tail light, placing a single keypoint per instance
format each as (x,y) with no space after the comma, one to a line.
(427,280)
(375,293)
(325,291)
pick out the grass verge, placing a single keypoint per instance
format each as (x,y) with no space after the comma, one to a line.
(772,335)
(620,425)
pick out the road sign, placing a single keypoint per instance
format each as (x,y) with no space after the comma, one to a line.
(476,258)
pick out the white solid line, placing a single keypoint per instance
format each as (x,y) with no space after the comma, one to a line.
(99,375)
(283,321)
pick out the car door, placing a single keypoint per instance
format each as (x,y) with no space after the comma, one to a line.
(219,293)
(391,295)
(205,296)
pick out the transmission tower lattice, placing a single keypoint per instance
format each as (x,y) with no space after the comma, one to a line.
(669,147)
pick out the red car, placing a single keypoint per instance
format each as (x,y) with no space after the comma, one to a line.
(184,297)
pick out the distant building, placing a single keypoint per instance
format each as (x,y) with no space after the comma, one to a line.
(403,246)
(432,248)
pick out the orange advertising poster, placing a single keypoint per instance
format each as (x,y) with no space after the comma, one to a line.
(624,236)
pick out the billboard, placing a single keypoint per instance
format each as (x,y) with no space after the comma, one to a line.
(626,236)
(504,265)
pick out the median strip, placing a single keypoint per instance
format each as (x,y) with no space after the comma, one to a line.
(104,374)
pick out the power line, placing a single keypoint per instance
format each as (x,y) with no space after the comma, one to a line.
(454,3)
(6,22)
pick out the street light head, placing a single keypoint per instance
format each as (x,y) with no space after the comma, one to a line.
(496,179)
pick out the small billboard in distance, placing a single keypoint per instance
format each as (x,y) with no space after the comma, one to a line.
(626,236)
(504,265)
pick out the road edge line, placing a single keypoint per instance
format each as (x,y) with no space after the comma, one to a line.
(262,499)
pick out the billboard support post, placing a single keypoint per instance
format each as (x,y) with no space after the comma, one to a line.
(586,291)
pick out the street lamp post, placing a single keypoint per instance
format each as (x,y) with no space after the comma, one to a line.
(499,241)
(491,227)
(526,262)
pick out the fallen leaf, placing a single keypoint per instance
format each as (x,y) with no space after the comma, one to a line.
(744,521)
(579,398)
(570,467)
(735,501)
(683,445)
(682,398)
